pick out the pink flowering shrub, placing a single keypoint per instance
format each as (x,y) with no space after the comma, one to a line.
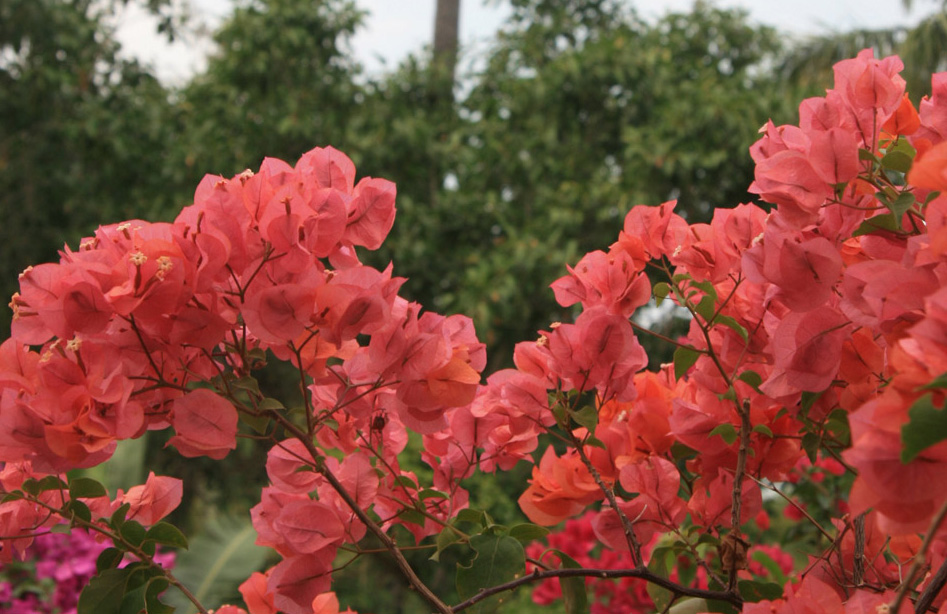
(56,568)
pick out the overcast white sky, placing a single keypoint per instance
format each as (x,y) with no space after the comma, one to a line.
(395,28)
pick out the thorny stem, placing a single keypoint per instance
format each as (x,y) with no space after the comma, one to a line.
(919,560)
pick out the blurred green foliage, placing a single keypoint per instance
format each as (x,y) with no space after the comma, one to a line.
(83,136)
(581,111)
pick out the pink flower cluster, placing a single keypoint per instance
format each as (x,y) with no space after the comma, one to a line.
(56,569)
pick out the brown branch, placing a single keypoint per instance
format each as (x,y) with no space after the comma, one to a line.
(858,569)
(933,589)
(640,572)
(798,507)
(919,559)
(386,541)
(736,503)
(626,523)
(426,593)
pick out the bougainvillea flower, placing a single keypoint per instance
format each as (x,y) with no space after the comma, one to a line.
(205,424)
(153,500)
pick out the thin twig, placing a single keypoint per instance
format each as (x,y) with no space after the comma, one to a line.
(919,559)
(736,503)
(641,572)
(626,523)
(372,526)
(801,509)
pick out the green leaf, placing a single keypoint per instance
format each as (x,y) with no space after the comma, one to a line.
(752,378)
(527,532)
(80,510)
(900,205)
(926,426)
(118,516)
(809,399)
(680,451)
(937,383)
(259,424)
(755,591)
(430,493)
(595,443)
(727,432)
(133,532)
(886,222)
(271,404)
(153,591)
(734,325)
(166,534)
(810,443)
(775,571)
(706,308)
(904,146)
(867,155)
(573,589)
(561,414)
(108,559)
(446,538)
(499,559)
(248,383)
(897,161)
(15,495)
(661,290)
(659,565)
(257,358)
(707,288)
(684,359)
(407,482)
(472,516)
(837,424)
(144,585)
(763,430)
(691,605)
(86,488)
(412,516)
(50,482)
(587,417)
(105,592)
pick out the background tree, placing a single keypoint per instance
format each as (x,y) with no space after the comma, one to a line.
(281,81)
(582,111)
(921,47)
(83,132)
(446,25)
